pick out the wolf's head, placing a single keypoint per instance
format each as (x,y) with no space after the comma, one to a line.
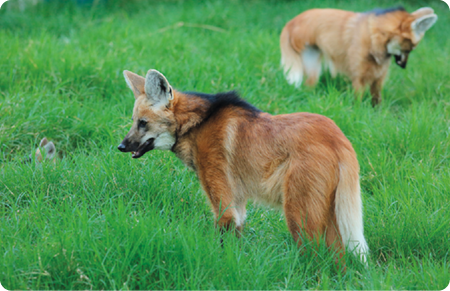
(49,149)
(154,123)
(397,33)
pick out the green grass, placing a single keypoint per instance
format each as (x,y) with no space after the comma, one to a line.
(100,220)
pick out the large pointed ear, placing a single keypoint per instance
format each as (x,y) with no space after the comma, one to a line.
(422,24)
(50,149)
(43,142)
(422,12)
(157,89)
(135,82)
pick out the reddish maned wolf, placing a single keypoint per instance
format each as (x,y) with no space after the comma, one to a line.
(359,45)
(300,162)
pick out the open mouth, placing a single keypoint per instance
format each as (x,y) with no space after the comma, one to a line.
(143,148)
(401,60)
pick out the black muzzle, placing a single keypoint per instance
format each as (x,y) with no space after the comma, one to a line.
(401,60)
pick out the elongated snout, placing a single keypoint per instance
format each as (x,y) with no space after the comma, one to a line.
(127,146)
(401,60)
(122,147)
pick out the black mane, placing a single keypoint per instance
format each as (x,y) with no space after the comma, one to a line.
(381,11)
(225,99)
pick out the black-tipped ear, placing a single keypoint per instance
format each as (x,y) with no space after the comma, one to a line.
(157,89)
(135,82)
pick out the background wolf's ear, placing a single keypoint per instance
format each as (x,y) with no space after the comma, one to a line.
(422,12)
(422,24)
(50,149)
(43,142)
(135,82)
(157,89)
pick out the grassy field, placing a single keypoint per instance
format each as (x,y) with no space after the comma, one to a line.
(100,220)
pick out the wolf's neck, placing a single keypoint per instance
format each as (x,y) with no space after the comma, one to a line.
(190,111)
(194,110)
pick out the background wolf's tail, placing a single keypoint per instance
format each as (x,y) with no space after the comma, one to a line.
(349,207)
(290,60)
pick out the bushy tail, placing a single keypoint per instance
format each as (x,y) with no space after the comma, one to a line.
(290,60)
(349,209)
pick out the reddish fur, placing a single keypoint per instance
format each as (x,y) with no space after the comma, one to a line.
(299,162)
(311,144)
(355,43)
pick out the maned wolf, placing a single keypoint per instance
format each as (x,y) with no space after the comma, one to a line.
(49,148)
(300,162)
(359,45)
(50,152)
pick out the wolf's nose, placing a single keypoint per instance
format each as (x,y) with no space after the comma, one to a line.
(121,147)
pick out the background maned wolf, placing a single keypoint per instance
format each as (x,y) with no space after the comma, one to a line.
(50,152)
(49,148)
(300,162)
(358,45)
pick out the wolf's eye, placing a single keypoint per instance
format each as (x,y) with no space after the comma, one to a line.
(142,123)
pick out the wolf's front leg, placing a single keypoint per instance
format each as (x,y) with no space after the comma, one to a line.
(359,88)
(375,91)
(229,211)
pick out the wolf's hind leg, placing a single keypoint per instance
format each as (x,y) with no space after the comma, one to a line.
(311,57)
(303,209)
(291,60)
(302,224)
